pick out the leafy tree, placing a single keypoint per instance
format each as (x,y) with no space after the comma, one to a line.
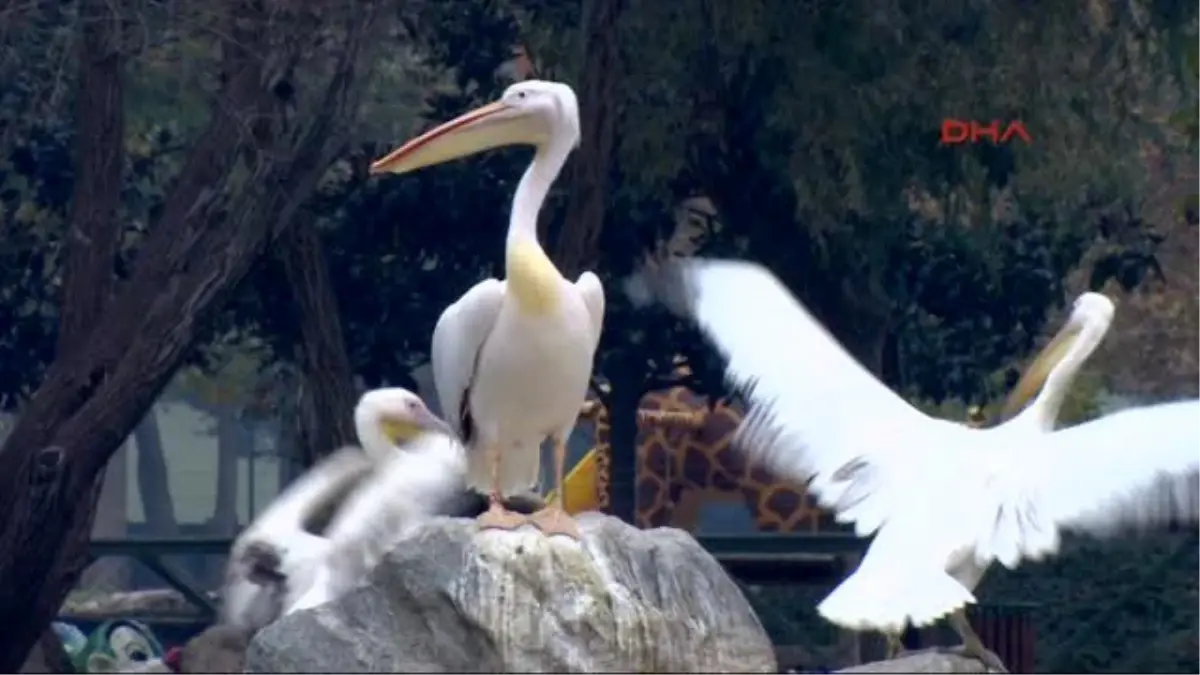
(217,219)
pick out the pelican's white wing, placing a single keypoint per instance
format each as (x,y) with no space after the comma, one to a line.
(457,338)
(593,297)
(807,395)
(414,484)
(277,545)
(1137,468)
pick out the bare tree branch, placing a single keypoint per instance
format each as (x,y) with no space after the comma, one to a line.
(93,232)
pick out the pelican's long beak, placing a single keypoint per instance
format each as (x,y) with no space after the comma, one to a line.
(1035,375)
(491,126)
(433,424)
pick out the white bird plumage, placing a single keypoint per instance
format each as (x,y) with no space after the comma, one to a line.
(408,469)
(942,499)
(512,359)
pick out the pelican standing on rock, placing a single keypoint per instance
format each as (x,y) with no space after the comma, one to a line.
(943,500)
(326,530)
(511,359)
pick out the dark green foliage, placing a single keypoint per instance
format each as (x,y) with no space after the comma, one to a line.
(959,302)
(402,248)
(36,184)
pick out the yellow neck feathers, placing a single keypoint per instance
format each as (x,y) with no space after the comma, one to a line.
(399,432)
(533,281)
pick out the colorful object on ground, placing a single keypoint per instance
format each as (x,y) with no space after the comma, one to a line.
(119,645)
(581,486)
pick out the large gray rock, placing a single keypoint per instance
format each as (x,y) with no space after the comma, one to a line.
(924,661)
(452,599)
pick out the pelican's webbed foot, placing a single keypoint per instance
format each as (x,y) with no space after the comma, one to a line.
(499,518)
(972,646)
(554,520)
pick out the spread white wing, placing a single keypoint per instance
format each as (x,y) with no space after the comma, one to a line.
(1138,468)
(806,393)
(457,338)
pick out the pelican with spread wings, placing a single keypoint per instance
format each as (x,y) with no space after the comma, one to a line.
(330,527)
(511,358)
(942,500)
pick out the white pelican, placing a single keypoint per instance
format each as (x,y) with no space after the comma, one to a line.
(409,467)
(511,359)
(1089,321)
(943,500)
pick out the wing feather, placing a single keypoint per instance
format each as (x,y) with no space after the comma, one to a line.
(418,482)
(593,297)
(1138,468)
(807,395)
(457,338)
(311,493)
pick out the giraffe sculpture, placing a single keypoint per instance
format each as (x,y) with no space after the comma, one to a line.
(684,459)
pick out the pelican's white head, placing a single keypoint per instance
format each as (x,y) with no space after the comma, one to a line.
(532,112)
(1061,358)
(391,417)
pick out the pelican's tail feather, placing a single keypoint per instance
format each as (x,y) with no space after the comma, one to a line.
(880,598)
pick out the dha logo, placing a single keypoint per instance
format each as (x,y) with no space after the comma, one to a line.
(957,132)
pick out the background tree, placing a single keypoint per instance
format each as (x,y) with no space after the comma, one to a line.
(218,218)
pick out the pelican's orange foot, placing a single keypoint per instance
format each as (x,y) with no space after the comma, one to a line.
(554,520)
(499,518)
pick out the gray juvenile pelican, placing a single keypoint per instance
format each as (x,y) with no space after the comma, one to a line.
(409,468)
(511,359)
(943,500)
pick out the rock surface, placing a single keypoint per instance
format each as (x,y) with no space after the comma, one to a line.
(219,649)
(452,599)
(923,661)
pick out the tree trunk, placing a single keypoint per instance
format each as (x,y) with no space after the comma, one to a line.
(95,393)
(88,276)
(93,233)
(624,399)
(578,243)
(327,395)
(158,505)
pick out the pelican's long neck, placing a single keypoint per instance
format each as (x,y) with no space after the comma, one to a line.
(1043,411)
(532,279)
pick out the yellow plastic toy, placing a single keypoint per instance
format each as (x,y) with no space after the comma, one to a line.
(580,486)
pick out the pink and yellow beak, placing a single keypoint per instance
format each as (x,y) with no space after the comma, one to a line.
(490,126)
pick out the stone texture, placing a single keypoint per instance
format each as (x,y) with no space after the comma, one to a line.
(924,661)
(452,599)
(220,649)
